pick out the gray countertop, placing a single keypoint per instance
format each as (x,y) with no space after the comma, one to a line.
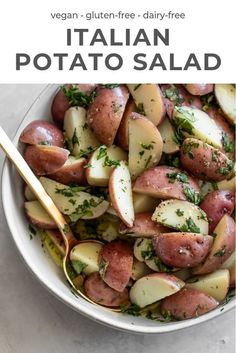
(32,320)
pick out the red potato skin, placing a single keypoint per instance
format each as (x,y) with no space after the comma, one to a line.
(122,137)
(98,291)
(155,182)
(61,104)
(188,303)
(143,226)
(41,225)
(199,89)
(118,257)
(213,261)
(182,250)
(71,173)
(201,163)
(188,99)
(217,115)
(41,131)
(45,159)
(216,204)
(105,113)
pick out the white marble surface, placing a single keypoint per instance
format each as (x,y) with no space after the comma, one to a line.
(32,320)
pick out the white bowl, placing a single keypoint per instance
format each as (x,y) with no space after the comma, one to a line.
(42,266)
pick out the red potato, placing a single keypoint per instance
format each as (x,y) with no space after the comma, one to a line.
(204,161)
(177,95)
(122,137)
(216,204)
(61,103)
(158,182)
(143,226)
(187,304)
(199,89)
(223,246)
(227,132)
(38,216)
(116,262)
(28,194)
(105,113)
(99,292)
(45,159)
(182,250)
(120,192)
(42,132)
(72,171)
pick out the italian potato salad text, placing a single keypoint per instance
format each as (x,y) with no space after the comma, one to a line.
(148,172)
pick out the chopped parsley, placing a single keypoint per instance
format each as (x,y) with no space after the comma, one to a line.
(187,148)
(182,177)
(74,139)
(148,160)
(66,229)
(78,266)
(172,161)
(190,226)
(82,153)
(140,109)
(207,100)
(183,122)
(174,95)
(191,194)
(84,209)
(77,97)
(102,152)
(132,309)
(221,252)
(147,146)
(214,185)
(110,162)
(148,254)
(179,212)
(214,156)
(227,169)
(227,143)
(32,231)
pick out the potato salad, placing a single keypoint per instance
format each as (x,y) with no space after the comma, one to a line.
(145,177)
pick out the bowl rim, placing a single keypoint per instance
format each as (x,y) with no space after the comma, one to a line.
(125,327)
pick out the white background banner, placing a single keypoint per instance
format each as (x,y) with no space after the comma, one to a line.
(38,32)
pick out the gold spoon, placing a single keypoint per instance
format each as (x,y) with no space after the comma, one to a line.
(46,201)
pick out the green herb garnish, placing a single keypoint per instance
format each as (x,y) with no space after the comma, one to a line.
(227,143)
(102,152)
(191,194)
(78,265)
(132,309)
(77,97)
(190,226)
(32,231)
(179,212)
(182,177)
(221,252)
(140,109)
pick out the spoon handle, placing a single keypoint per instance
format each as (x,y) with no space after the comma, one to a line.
(37,188)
